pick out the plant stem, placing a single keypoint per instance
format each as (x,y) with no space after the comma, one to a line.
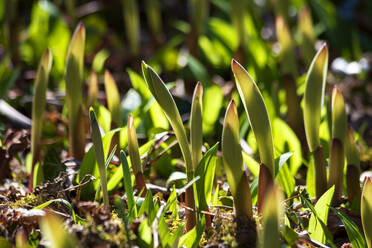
(265,184)
(320,172)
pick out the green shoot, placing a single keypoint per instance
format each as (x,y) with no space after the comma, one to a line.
(233,164)
(366,211)
(167,103)
(128,186)
(272,215)
(313,101)
(38,106)
(135,156)
(100,157)
(74,99)
(337,155)
(353,170)
(196,124)
(260,123)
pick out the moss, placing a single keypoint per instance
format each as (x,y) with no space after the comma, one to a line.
(30,200)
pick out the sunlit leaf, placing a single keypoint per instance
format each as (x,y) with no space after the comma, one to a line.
(366,211)
(196,125)
(272,214)
(100,156)
(352,230)
(314,97)
(233,163)
(257,114)
(318,220)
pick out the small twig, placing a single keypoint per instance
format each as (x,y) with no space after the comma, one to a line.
(222,207)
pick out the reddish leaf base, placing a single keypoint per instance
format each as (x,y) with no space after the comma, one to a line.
(141,184)
(265,183)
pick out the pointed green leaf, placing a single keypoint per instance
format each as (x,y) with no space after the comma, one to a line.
(167,103)
(318,220)
(196,125)
(233,163)
(314,95)
(352,230)
(366,211)
(257,114)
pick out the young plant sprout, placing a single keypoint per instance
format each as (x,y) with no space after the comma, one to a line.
(353,170)
(167,103)
(38,106)
(135,157)
(313,101)
(366,211)
(337,154)
(236,177)
(260,123)
(74,97)
(100,157)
